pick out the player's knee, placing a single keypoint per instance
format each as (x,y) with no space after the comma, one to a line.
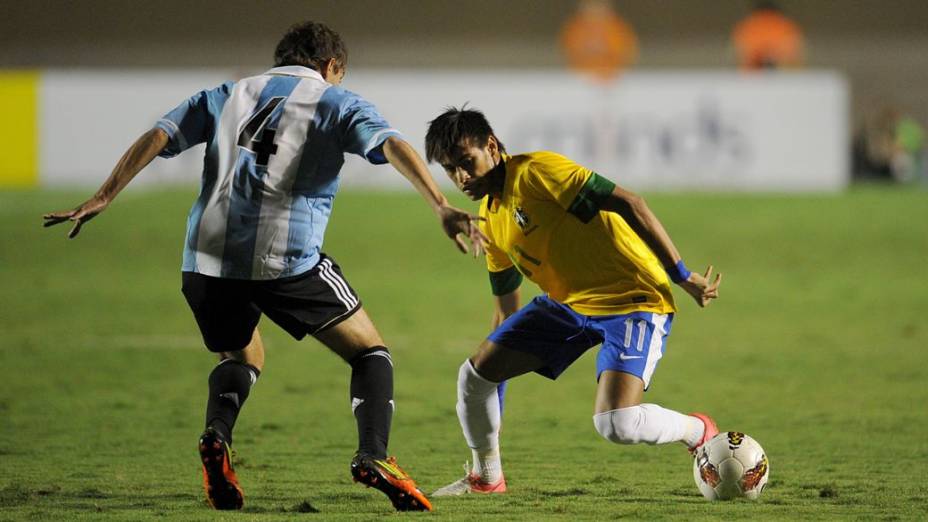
(252,355)
(232,374)
(364,356)
(258,365)
(241,357)
(471,385)
(372,375)
(228,342)
(620,426)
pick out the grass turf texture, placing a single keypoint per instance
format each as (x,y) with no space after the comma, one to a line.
(816,348)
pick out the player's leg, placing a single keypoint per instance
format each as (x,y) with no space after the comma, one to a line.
(621,418)
(633,345)
(479,407)
(479,403)
(320,302)
(230,385)
(227,321)
(357,341)
(541,337)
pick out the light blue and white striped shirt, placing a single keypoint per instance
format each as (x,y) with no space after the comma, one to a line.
(274,146)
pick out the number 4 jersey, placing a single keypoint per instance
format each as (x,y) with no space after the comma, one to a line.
(547,225)
(274,146)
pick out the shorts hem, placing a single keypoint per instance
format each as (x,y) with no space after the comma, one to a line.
(546,370)
(336,320)
(599,374)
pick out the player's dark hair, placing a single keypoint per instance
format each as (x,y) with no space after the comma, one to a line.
(310,44)
(452,127)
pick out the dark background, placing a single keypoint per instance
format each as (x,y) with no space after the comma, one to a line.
(881,45)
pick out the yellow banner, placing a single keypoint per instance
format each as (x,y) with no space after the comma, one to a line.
(19,134)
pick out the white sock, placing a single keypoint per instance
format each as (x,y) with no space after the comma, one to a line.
(648,423)
(478,412)
(487,465)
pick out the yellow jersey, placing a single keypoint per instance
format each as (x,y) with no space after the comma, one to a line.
(547,224)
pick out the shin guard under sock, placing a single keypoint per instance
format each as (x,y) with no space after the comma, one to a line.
(372,399)
(229,385)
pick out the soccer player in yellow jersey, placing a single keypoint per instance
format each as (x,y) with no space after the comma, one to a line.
(605,264)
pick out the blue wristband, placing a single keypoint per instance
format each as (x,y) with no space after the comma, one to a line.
(678,273)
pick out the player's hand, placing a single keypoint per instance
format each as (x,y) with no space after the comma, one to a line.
(80,215)
(458,225)
(698,286)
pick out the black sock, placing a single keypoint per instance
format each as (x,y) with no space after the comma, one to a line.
(372,399)
(229,384)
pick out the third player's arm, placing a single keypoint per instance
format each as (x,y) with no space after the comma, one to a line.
(407,161)
(505,305)
(505,287)
(139,154)
(635,211)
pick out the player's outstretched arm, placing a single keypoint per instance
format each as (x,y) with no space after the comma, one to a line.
(455,222)
(132,162)
(635,211)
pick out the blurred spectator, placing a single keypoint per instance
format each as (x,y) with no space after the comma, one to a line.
(890,145)
(598,41)
(767,39)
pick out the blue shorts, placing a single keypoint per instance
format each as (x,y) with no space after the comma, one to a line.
(631,343)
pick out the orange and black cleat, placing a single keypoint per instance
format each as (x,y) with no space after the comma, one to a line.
(219,480)
(389,478)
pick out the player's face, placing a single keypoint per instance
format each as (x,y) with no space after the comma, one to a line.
(469,165)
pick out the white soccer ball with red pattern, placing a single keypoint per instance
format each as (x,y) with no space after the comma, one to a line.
(731,465)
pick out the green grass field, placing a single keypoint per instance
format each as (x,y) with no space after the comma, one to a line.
(817,348)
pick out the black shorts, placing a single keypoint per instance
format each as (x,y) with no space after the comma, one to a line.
(228,310)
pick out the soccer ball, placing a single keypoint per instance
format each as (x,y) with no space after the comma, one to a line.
(731,465)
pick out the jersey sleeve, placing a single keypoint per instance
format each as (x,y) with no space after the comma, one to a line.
(363,128)
(575,188)
(193,121)
(505,281)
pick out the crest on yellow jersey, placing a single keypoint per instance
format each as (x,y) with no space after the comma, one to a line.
(521,218)
(524,222)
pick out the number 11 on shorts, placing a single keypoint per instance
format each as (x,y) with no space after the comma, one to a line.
(642,329)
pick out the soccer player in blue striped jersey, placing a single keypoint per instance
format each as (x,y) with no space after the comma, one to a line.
(274,146)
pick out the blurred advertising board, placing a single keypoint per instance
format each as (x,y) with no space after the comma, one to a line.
(651,131)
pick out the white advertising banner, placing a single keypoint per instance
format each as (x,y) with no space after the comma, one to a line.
(649,131)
